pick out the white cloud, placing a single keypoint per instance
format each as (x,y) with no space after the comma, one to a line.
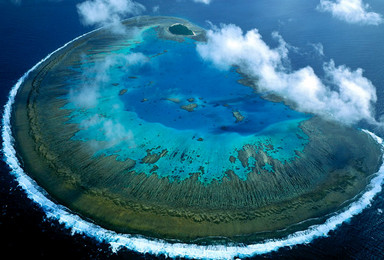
(156,9)
(94,81)
(351,11)
(207,2)
(97,77)
(347,96)
(108,12)
(319,48)
(85,97)
(112,131)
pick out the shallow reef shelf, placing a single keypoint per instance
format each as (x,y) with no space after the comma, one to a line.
(138,133)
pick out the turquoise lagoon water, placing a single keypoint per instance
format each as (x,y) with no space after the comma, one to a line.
(142,108)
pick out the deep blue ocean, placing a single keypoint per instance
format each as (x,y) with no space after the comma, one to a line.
(31,30)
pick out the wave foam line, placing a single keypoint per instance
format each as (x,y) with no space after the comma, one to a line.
(157,246)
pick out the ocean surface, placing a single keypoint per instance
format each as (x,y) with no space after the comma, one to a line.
(33,29)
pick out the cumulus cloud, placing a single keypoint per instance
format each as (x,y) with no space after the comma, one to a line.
(344,95)
(351,11)
(319,48)
(108,12)
(95,81)
(97,77)
(111,129)
(207,2)
(156,9)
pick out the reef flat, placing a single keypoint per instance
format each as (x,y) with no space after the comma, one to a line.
(185,164)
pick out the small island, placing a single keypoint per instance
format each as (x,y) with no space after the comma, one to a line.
(189,107)
(123,91)
(174,100)
(179,29)
(239,117)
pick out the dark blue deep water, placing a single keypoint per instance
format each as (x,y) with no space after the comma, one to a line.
(33,29)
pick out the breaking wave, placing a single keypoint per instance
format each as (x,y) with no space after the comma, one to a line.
(156,246)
